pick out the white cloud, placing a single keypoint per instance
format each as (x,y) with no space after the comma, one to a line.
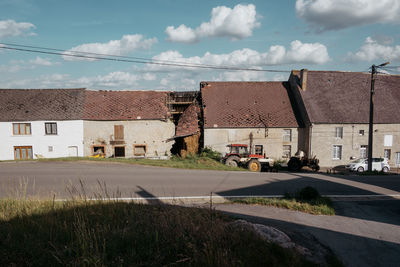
(240,76)
(42,62)
(236,23)
(302,53)
(127,44)
(10,28)
(372,50)
(325,15)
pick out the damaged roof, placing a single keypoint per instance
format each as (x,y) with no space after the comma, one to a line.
(247,104)
(188,123)
(343,97)
(41,104)
(125,105)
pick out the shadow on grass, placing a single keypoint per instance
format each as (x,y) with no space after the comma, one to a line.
(124,234)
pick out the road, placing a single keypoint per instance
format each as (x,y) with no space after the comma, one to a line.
(365,231)
(59,179)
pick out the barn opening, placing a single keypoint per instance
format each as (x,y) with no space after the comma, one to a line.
(119,151)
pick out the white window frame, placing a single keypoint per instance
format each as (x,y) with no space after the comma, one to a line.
(397,158)
(337,152)
(287,135)
(365,149)
(387,151)
(339,132)
(286,153)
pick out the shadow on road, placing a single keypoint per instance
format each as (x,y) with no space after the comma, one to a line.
(353,250)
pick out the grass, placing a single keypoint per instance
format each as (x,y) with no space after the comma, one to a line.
(112,233)
(190,162)
(303,201)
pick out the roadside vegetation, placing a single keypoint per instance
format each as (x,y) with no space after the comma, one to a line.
(113,233)
(206,160)
(306,200)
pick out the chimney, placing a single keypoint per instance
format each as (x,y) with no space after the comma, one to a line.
(303,79)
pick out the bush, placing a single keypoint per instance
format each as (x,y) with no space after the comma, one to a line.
(308,193)
(208,152)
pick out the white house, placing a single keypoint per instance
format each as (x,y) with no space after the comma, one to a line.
(38,123)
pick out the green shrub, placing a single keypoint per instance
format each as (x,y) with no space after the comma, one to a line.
(210,153)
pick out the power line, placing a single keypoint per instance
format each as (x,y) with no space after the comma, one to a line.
(97,56)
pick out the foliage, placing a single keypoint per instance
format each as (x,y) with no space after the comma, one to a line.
(306,200)
(112,233)
(208,152)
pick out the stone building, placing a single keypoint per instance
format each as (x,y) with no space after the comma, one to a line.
(334,107)
(127,124)
(258,114)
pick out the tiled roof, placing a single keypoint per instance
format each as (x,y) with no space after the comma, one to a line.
(247,104)
(41,104)
(343,97)
(188,123)
(125,105)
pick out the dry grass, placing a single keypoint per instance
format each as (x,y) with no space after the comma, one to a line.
(112,233)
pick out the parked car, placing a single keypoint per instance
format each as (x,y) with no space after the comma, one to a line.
(361,165)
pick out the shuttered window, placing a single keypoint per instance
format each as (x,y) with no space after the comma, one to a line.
(119,132)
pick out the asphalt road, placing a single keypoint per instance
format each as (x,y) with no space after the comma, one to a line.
(63,179)
(365,231)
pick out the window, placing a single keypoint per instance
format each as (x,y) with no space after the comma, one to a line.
(119,132)
(23,152)
(50,149)
(386,153)
(98,150)
(361,132)
(287,151)
(21,128)
(287,135)
(388,141)
(139,150)
(337,152)
(363,152)
(339,132)
(50,128)
(258,149)
(397,158)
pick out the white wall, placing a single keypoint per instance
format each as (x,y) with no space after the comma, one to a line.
(69,133)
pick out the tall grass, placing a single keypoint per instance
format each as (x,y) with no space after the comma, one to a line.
(112,233)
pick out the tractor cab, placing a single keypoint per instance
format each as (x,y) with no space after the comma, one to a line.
(237,150)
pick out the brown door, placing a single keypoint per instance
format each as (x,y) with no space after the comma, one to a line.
(23,152)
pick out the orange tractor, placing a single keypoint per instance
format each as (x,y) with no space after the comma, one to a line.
(239,155)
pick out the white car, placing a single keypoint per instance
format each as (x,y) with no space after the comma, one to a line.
(361,165)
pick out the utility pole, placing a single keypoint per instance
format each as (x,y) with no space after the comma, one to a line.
(371,113)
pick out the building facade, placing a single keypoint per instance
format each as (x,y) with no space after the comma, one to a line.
(258,114)
(335,109)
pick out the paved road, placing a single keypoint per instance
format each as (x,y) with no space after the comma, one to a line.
(45,179)
(364,233)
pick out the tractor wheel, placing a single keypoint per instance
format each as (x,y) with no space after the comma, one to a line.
(232,161)
(294,164)
(254,165)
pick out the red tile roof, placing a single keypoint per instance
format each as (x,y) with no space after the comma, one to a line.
(343,97)
(125,105)
(188,123)
(41,104)
(247,104)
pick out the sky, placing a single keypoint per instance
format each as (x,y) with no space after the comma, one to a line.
(264,39)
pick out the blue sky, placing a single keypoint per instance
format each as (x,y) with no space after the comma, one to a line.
(348,35)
